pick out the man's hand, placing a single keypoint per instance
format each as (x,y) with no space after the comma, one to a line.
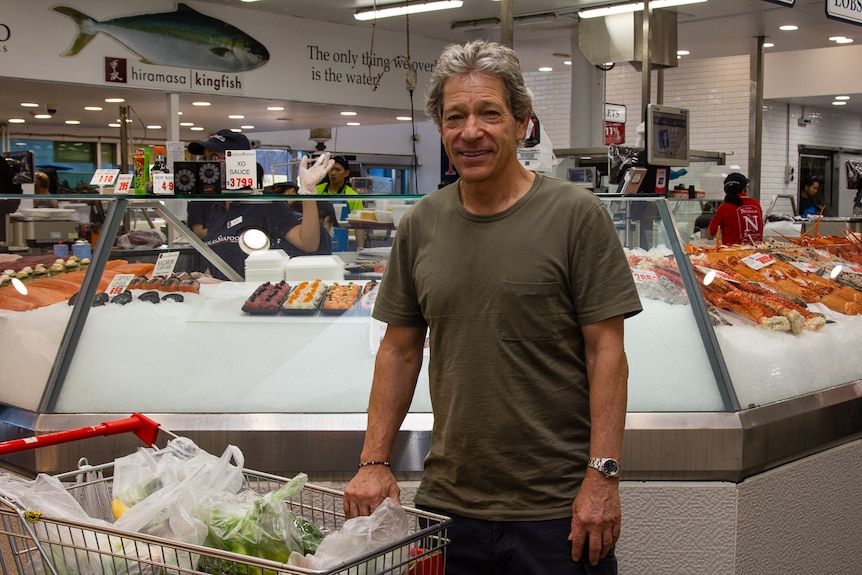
(367,490)
(309,177)
(596,517)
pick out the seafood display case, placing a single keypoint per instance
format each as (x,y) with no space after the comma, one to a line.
(720,376)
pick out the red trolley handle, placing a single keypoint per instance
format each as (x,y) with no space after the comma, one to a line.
(143,427)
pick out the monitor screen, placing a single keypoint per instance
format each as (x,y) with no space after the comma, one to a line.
(667,135)
(584,177)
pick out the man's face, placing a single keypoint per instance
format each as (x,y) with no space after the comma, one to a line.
(479,132)
(337,176)
(213,155)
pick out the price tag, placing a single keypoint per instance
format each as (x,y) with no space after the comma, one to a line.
(644,276)
(104,178)
(123,184)
(805,267)
(758,260)
(166,263)
(119,284)
(163,184)
(241,168)
(852,268)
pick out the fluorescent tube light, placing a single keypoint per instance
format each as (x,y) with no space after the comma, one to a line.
(401,9)
(632,7)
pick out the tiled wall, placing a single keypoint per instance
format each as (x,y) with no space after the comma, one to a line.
(717,93)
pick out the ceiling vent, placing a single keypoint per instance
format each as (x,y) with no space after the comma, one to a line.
(618,38)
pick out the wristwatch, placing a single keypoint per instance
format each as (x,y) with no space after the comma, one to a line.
(610,467)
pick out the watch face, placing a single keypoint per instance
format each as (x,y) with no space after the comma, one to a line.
(610,468)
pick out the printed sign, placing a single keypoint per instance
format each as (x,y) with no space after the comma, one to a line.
(119,283)
(123,185)
(166,263)
(104,178)
(845,10)
(644,276)
(615,113)
(757,261)
(241,166)
(163,184)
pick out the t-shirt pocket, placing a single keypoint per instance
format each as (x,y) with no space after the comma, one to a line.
(528,311)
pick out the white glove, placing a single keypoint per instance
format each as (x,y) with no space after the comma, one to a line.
(310,177)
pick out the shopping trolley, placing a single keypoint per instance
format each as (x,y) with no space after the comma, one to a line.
(37,544)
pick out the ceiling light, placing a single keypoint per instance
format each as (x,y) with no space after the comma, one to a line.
(567,62)
(196,129)
(42,116)
(839,103)
(348,113)
(73,122)
(789,27)
(179,113)
(275,108)
(546,69)
(237,130)
(401,10)
(93,108)
(16,120)
(768,45)
(831,39)
(682,52)
(844,41)
(113,125)
(236,117)
(201,103)
(247,127)
(154,127)
(633,7)
(842,97)
(114,100)
(29,105)
(353,124)
(403,118)
(187,124)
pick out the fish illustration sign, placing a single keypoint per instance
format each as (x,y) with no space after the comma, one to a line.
(184,38)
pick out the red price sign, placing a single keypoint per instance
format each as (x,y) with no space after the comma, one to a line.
(758,260)
(163,183)
(643,276)
(235,183)
(104,178)
(123,184)
(119,284)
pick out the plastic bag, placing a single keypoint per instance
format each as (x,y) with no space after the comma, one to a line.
(256,525)
(150,238)
(69,549)
(182,477)
(386,525)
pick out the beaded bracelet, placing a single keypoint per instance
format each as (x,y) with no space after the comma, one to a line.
(367,463)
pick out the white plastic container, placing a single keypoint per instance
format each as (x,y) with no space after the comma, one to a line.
(266,266)
(307,268)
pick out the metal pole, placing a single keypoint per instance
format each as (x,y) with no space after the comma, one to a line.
(507,24)
(646,57)
(755,118)
(124,140)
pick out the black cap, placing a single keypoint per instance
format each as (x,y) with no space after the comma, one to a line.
(342,161)
(735,183)
(219,142)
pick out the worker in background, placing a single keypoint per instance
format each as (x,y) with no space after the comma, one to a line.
(40,187)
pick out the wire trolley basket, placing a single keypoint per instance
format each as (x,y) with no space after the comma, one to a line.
(35,544)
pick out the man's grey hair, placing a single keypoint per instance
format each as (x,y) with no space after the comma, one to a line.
(479,57)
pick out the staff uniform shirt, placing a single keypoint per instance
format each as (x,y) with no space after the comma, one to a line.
(226,223)
(505,297)
(739,224)
(352,205)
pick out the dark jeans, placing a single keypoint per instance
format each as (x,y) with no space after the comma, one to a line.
(481,547)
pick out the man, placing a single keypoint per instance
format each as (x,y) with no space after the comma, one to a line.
(224,222)
(809,203)
(739,217)
(337,184)
(40,187)
(523,284)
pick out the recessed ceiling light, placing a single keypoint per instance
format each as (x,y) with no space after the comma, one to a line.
(839,103)
(768,45)
(179,113)
(831,39)
(682,52)
(842,97)
(403,118)
(112,125)
(154,127)
(844,41)
(201,103)
(353,124)
(275,108)
(115,100)
(16,120)
(196,129)
(236,116)
(237,130)
(567,62)
(247,127)
(42,116)
(394,10)
(546,69)
(187,124)
(72,122)
(93,108)
(348,113)
(29,105)
(789,27)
